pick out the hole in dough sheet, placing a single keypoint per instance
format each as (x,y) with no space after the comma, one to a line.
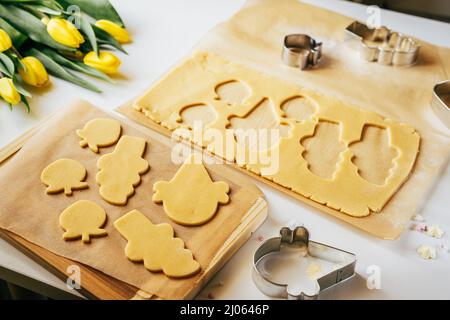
(198,112)
(232,92)
(298,108)
(262,117)
(372,155)
(323,148)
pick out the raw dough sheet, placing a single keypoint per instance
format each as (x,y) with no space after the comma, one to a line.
(253,37)
(28,211)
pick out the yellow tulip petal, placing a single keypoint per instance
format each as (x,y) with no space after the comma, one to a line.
(105,61)
(116,31)
(5,41)
(64,32)
(8,92)
(34,73)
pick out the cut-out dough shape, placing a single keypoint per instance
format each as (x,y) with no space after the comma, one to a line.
(254,130)
(373,156)
(155,245)
(120,170)
(197,115)
(322,159)
(64,175)
(232,92)
(346,191)
(99,133)
(83,219)
(191,197)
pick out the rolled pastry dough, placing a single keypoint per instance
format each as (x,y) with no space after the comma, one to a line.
(345,191)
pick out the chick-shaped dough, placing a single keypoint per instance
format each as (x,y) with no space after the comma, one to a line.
(83,219)
(99,133)
(64,175)
(120,170)
(191,197)
(155,245)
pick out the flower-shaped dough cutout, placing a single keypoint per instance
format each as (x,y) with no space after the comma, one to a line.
(191,197)
(83,219)
(64,175)
(99,133)
(155,245)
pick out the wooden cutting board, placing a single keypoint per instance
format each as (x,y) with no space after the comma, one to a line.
(98,285)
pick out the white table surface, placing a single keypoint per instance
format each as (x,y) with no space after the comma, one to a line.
(163,32)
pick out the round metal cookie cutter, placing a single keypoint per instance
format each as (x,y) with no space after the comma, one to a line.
(302,51)
(343,264)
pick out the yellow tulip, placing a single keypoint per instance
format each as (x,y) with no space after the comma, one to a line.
(116,31)
(34,73)
(64,32)
(8,92)
(105,61)
(5,41)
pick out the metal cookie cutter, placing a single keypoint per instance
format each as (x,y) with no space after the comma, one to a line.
(300,50)
(383,45)
(343,263)
(441,101)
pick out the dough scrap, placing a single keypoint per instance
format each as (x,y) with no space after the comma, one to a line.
(99,133)
(191,197)
(83,219)
(345,191)
(155,245)
(64,175)
(120,170)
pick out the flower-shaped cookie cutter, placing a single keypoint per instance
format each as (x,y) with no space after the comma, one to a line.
(343,264)
(441,101)
(383,45)
(300,50)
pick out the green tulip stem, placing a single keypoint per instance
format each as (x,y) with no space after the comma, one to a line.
(17,53)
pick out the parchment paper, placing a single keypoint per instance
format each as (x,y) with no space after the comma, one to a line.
(29,212)
(254,37)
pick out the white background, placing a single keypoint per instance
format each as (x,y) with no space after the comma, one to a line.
(163,31)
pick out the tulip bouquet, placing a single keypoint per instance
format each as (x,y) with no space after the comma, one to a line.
(56,37)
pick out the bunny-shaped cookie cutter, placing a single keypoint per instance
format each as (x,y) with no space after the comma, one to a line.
(298,238)
(383,45)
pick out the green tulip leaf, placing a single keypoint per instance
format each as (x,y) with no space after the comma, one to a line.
(98,9)
(75,65)
(60,72)
(40,11)
(7,65)
(25,102)
(32,9)
(28,24)
(89,32)
(47,10)
(49,4)
(4,70)
(16,36)
(20,88)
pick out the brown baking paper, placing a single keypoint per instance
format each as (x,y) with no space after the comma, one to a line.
(254,37)
(29,212)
